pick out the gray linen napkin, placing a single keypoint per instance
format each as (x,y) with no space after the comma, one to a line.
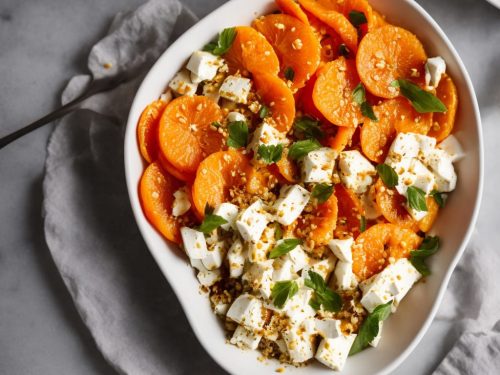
(121,295)
(118,290)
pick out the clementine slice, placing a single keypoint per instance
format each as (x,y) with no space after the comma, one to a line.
(350,210)
(251,53)
(386,54)
(380,244)
(444,122)
(147,129)
(185,133)
(156,192)
(332,93)
(292,8)
(278,97)
(321,223)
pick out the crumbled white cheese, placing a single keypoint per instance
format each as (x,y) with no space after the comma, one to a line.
(214,257)
(452,147)
(182,84)
(344,278)
(356,171)
(236,259)
(298,257)
(235,116)
(266,135)
(435,67)
(208,278)
(342,248)
(333,352)
(290,204)
(317,166)
(229,212)
(236,89)
(194,243)
(258,251)
(203,66)
(181,203)
(252,222)
(259,277)
(245,339)
(247,310)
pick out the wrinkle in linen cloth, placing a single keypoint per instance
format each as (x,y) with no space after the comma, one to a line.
(131,312)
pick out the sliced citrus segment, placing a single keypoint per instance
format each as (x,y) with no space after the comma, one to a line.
(296,46)
(216,175)
(278,97)
(386,54)
(392,206)
(444,122)
(319,225)
(156,192)
(336,20)
(147,129)
(292,8)
(350,211)
(251,53)
(379,245)
(394,116)
(427,222)
(342,139)
(332,93)
(185,133)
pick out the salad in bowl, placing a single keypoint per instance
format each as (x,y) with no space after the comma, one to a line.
(299,163)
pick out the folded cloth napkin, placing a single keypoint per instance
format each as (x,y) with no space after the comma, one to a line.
(131,312)
(120,294)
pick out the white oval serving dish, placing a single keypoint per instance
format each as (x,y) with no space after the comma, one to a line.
(404,329)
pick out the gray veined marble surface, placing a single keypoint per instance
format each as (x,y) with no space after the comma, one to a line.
(42,44)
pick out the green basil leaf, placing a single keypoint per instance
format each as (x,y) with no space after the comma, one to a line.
(224,43)
(323,295)
(370,327)
(289,74)
(238,134)
(388,175)
(322,192)
(357,18)
(367,111)
(284,247)
(302,148)
(308,127)
(359,94)
(263,112)
(438,197)
(270,154)
(216,124)
(422,101)
(429,246)
(278,232)
(362,224)
(343,50)
(211,222)
(416,198)
(282,291)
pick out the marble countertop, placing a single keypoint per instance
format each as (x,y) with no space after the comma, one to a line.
(44,42)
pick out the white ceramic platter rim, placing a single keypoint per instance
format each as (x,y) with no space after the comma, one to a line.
(150,89)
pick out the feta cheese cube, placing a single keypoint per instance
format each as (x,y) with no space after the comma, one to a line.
(333,352)
(317,166)
(248,311)
(245,339)
(297,308)
(252,222)
(290,204)
(440,163)
(299,342)
(203,66)
(194,243)
(377,338)
(236,89)
(229,212)
(215,255)
(236,259)
(356,171)
(342,248)
(435,67)
(283,270)
(344,278)
(392,284)
(425,144)
(267,135)
(181,203)
(235,116)
(182,84)
(323,267)
(298,257)
(258,251)
(221,308)
(423,177)
(197,263)
(369,202)
(452,147)
(328,328)
(208,278)
(405,145)
(259,277)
